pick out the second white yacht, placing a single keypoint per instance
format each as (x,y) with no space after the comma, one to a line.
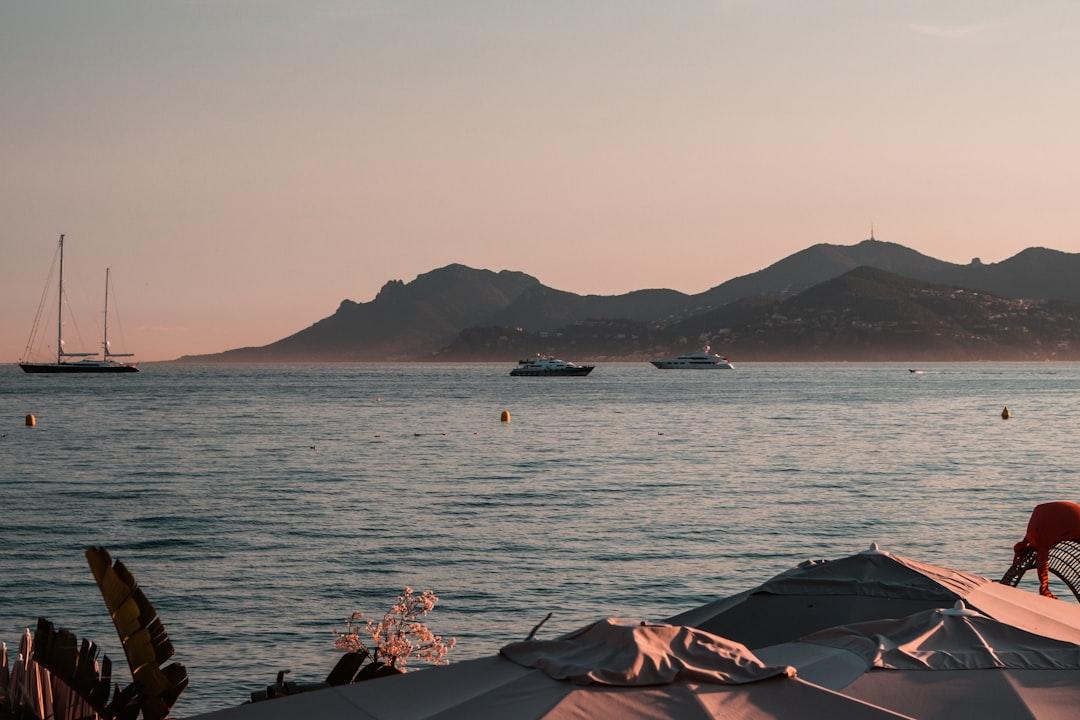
(700,360)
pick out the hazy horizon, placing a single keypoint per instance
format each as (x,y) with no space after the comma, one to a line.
(244,166)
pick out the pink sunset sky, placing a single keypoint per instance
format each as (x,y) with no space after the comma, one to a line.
(243,165)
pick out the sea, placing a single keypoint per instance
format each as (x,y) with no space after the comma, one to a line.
(258,506)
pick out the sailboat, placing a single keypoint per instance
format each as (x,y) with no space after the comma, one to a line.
(87,362)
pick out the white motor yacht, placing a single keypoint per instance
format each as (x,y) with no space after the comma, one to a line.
(700,360)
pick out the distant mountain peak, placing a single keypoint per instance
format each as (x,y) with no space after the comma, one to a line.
(875,243)
(389,289)
(452,278)
(451,269)
(460,271)
(822,262)
(1039,252)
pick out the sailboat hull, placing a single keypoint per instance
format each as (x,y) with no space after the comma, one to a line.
(77,368)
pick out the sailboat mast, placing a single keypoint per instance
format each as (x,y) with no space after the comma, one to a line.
(105,340)
(60,307)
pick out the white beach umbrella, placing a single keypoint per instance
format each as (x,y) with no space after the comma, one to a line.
(944,664)
(870,585)
(606,670)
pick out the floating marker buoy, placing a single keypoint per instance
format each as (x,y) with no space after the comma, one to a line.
(31,421)
(1006,413)
(505,417)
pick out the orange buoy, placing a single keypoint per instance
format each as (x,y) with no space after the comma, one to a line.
(505,417)
(31,421)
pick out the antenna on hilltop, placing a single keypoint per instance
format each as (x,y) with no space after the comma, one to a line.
(871,231)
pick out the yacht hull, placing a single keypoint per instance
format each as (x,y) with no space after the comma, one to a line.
(73,368)
(663,365)
(561,372)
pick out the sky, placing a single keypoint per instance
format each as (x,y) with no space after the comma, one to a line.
(244,165)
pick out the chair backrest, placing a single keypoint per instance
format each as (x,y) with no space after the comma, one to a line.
(346,668)
(1064,564)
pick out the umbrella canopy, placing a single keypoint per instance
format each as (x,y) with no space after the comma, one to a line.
(943,664)
(871,585)
(953,639)
(1027,610)
(957,694)
(629,654)
(608,669)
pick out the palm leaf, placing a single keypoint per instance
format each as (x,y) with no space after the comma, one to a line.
(142,634)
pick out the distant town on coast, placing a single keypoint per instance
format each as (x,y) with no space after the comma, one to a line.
(873,301)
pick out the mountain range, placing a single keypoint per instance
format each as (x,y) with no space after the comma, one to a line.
(865,314)
(872,300)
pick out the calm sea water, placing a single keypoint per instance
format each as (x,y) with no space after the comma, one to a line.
(258,506)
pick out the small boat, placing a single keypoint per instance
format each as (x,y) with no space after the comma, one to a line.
(543,366)
(700,360)
(87,362)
